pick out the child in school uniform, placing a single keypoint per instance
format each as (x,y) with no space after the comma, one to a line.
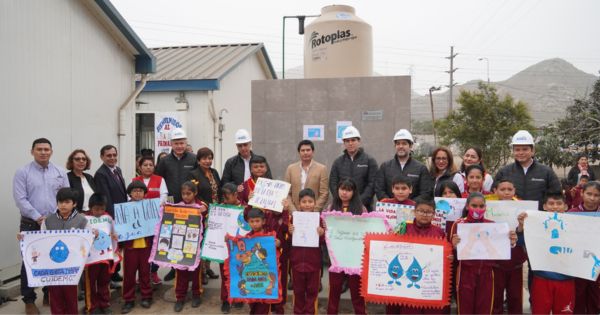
(421,226)
(189,191)
(575,194)
(551,292)
(401,189)
(306,262)
(475,278)
(587,293)
(508,274)
(474,175)
(347,199)
(97,276)
(230,197)
(135,259)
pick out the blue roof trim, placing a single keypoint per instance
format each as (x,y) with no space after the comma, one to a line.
(145,62)
(181,85)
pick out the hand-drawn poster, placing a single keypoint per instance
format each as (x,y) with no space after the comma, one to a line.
(563,243)
(485,241)
(222,220)
(305,229)
(508,210)
(104,248)
(447,209)
(252,269)
(55,257)
(396,213)
(136,219)
(179,235)
(269,194)
(344,235)
(406,270)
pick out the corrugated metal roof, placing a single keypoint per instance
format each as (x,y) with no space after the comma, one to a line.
(204,62)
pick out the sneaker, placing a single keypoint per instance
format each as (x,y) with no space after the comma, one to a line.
(155,278)
(31,309)
(178,306)
(211,274)
(225,307)
(170,275)
(196,301)
(145,303)
(127,307)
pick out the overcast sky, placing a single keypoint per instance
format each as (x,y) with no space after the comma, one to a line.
(409,37)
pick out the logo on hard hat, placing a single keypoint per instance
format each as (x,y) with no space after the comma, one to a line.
(332,38)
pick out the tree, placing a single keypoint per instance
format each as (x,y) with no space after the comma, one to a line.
(486,121)
(551,149)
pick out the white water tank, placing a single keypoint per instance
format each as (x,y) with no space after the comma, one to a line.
(338,44)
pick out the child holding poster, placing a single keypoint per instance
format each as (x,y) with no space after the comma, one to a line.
(474,176)
(550,291)
(347,199)
(230,197)
(306,262)
(189,191)
(475,278)
(97,275)
(135,259)
(587,293)
(401,189)
(421,226)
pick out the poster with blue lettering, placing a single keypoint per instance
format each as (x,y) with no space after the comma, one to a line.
(252,269)
(269,194)
(55,257)
(563,243)
(136,219)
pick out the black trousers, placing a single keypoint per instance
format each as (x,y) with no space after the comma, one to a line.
(28,293)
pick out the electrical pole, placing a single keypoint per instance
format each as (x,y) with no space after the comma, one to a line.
(431,89)
(451,72)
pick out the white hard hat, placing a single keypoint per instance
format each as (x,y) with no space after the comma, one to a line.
(522,137)
(350,132)
(242,136)
(403,134)
(178,133)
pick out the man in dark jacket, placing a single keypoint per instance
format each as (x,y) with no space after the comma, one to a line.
(176,166)
(531,179)
(237,168)
(355,164)
(109,179)
(403,164)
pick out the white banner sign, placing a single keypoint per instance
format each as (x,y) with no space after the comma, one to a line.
(104,247)
(222,220)
(269,194)
(163,124)
(55,257)
(508,210)
(563,243)
(305,229)
(485,241)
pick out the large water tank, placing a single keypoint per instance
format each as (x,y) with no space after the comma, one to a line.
(338,44)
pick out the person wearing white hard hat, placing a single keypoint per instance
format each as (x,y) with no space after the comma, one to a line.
(237,167)
(403,164)
(355,164)
(532,180)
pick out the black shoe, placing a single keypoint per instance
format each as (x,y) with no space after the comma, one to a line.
(106,310)
(127,307)
(170,276)
(211,274)
(238,305)
(145,303)
(225,308)
(116,277)
(290,285)
(178,306)
(196,301)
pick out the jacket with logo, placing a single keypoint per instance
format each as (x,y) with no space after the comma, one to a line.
(175,171)
(362,170)
(533,185)
(234,170)
(422,182)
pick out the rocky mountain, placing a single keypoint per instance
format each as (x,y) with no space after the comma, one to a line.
(547,87)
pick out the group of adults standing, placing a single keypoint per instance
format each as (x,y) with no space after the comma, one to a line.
(36,184)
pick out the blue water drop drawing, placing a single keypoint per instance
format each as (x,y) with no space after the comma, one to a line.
(242,223)
(395,271)
(102,242)
(414,273)
(59,252)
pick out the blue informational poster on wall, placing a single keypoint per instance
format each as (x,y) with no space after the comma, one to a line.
(252,269)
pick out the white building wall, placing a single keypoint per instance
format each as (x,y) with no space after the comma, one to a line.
(63,77)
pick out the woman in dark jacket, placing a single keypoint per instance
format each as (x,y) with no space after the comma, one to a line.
(209,190)
(441,168)
(581,168)
(82,182)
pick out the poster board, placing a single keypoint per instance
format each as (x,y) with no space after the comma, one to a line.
(344,235)
(483,241)
(563,243)
(305,229)
(269,194)
(55,257)
(103,248)
(179,235)
(222,220)
(252,269)
(396,213)
(508,210)
(136,219)
(406,270)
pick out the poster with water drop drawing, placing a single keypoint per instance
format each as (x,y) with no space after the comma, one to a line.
(406,270)
(55,257)
(563,243)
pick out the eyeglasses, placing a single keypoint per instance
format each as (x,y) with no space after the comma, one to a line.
(441,159)
(80,159)
(425,213)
